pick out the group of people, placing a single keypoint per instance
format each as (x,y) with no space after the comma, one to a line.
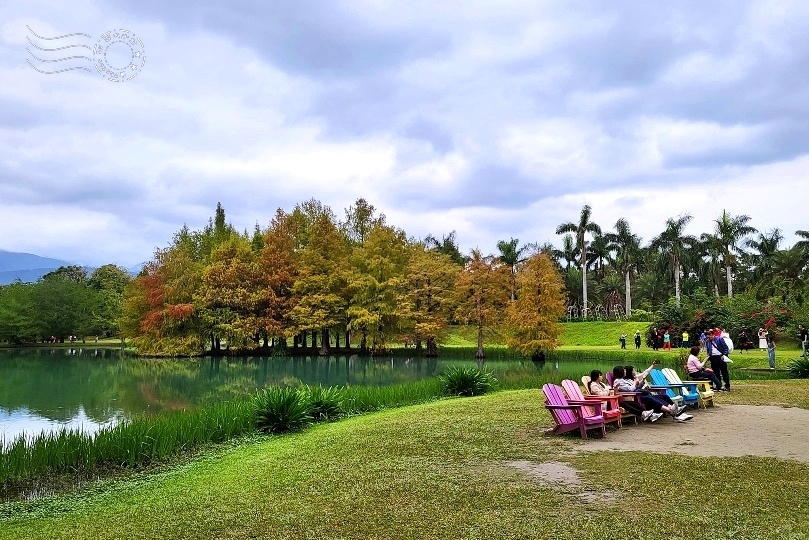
(623,338)
(653,406)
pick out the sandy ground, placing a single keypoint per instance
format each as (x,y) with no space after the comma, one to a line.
(727,430)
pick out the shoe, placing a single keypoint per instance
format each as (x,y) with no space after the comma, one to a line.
(726,389)
(683,417)
(676,409)
(645,415)
(656,416)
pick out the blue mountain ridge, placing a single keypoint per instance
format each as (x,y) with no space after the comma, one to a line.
(28,267)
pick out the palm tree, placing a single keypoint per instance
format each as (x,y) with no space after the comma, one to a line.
(581,228)
(759,263)
(731,230)
(510,255)
(568,251)
(599,254)
(627,248)
(676,244)
(711,249)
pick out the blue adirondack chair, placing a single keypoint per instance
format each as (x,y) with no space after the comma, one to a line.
(677,392)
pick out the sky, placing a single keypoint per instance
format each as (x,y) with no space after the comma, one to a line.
(497,120)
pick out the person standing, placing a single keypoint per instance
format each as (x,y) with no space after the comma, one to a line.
(717,348)
(685,343)
(622,339)
(637,340)
(654,339)
(771,351)
(804,335)
(762,338)
(667,341)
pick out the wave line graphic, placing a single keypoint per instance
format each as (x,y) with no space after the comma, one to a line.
(56,49)
(57,37)
(55,72)
(58,59)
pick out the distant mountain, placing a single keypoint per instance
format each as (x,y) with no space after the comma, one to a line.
(26,276)
(25,266)
(11,260)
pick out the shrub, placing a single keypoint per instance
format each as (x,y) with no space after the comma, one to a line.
(324,403)
(468,381)
(281,409)
(799,367)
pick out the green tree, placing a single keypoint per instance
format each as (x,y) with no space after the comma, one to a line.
(17,313)
(448,245)
(360,218)
(229,296)
(63,306)
(426,296)
(675,244)
(321,282)
(731,231)
(581,229)
(511,255)
(376,277)
(627,253)
(109,282)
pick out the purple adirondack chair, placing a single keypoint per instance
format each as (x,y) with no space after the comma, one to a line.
(575,396)
(568,416)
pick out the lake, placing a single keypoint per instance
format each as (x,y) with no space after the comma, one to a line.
(43,389)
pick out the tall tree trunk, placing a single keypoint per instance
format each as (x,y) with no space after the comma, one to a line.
(628,294)
(364,343)
(324,342)
(677,280)
(480,354)
(336,340)
(730,281)
(432,347)
(584,278)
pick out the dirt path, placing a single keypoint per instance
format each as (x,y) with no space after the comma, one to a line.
(727,430)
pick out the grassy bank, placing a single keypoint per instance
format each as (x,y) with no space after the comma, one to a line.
(439,470)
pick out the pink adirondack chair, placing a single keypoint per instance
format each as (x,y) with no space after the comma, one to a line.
(609,404)
(567,416)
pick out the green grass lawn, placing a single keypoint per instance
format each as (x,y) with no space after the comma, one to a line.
(438,470)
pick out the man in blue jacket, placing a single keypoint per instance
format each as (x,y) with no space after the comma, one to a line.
(716,348)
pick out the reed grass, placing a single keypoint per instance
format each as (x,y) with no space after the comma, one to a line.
(136,442)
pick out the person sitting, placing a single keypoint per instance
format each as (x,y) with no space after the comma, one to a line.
(697,372)
(626,380)
(597,387)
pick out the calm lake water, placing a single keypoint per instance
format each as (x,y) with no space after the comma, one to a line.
(85,388)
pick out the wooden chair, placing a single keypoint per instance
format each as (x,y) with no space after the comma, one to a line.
(625,414)
(701,388)
(609,404)
(569,417)
(661,384)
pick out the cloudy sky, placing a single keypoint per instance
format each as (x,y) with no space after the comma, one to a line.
(494,119)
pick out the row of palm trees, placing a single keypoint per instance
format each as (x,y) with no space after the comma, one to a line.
(759,262)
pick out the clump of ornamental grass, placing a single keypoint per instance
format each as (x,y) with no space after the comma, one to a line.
(279,410)
(324,403)
(467,381)
(799,367)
